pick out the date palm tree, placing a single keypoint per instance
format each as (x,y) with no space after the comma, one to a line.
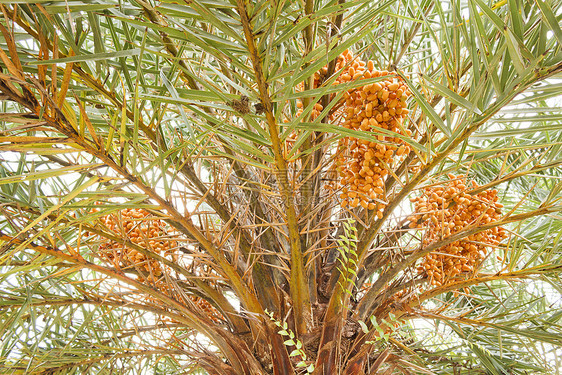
(280,187)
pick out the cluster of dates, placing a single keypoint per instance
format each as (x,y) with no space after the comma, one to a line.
(442,211)
(375,108)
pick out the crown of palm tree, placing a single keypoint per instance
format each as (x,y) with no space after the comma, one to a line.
(279,187)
